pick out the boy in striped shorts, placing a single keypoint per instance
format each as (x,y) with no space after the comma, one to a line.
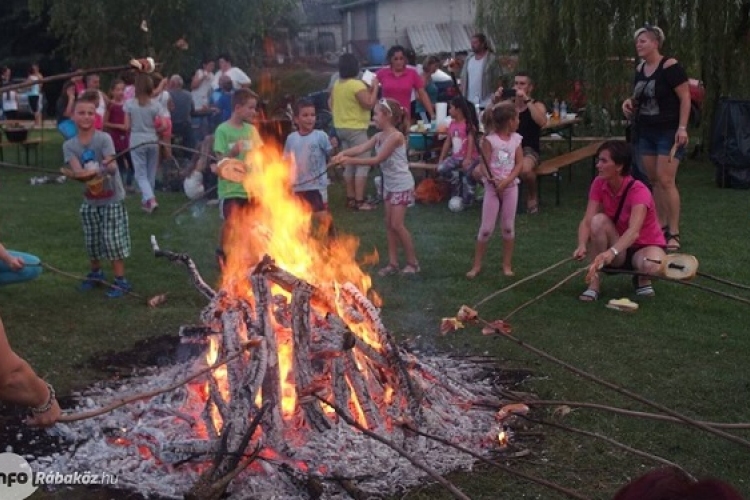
(103,214)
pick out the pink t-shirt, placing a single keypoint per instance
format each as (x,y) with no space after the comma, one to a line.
(651,233)
(400,87)
(503,159)
(459,137)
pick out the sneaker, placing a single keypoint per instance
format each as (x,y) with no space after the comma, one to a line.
(93,280)
(121,287)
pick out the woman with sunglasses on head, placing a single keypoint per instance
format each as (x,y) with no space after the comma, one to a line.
(397,81)
(619,228)
(398,183)
(660,109)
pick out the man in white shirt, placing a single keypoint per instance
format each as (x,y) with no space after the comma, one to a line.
(239,77)
(481,72)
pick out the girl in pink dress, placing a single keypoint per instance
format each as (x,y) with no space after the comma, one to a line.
(501,148)
(115,126)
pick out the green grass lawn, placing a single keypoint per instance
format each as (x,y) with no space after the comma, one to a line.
(685,348)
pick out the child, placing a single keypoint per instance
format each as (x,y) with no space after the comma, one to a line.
(221,99)
(234,139)
(163,122)
(310,149)
(502,149)
(114,124)
(398,183)
(103,214)
(460,143)
(140,114)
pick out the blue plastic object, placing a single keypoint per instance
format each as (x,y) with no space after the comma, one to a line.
(376,54)
(31,269)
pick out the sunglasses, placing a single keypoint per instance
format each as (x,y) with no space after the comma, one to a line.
(385,104)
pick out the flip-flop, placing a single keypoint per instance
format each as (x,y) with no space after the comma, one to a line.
(589,295)
(411,269)
(642,290)
(388,270)
(645,291)
(623,305)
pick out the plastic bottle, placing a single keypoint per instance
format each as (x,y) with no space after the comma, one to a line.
(563,110)
(556,110)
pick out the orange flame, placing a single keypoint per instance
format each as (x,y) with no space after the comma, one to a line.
(280,225)
(220,374)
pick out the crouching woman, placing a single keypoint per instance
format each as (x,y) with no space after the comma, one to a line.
(620,228)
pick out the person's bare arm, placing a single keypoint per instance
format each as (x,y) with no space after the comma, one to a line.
(584,229)
(390,144)
(626,240)
(444,150)
(424,98)
(15,263)
(356,150)
(20,385)
(367,98)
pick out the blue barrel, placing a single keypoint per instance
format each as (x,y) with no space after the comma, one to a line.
(31,269)
(376,54)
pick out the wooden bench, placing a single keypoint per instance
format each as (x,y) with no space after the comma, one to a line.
(577,138)
(553,166)
(27,145)
(423,166)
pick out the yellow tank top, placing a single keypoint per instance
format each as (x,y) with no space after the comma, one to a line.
(347,112)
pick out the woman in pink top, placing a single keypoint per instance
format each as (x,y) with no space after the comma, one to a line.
(397,81)
(620,228)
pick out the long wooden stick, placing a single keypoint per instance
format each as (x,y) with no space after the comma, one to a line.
(621,390)
(509,470)
(613,442)
(66,76)
(78,277)
(74,417)
(432,473)
(524,280)
(546,292)
(619,411)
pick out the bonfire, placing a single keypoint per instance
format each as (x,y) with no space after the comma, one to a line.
(312,375)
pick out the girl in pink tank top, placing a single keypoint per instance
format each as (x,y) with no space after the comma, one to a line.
(501,148)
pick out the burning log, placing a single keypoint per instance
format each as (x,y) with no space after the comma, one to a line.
(212,484)
(271,382)
(304,373)
(185,259)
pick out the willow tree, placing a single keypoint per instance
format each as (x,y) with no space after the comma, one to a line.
(562,41)
(102,32)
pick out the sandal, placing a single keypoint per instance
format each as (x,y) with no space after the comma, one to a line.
(351,203)
(363,206)
(388,270)
(589,295)
(411,268)
(642,290)
(532,209)
(673,247)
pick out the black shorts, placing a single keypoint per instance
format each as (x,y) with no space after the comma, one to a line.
(34,103)
(313,198)
(231,205)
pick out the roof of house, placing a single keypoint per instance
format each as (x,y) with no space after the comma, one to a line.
(440,38)
(319,12)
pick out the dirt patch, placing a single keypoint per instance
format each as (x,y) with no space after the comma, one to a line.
(153,351)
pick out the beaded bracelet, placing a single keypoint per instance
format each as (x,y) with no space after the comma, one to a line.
(46,406)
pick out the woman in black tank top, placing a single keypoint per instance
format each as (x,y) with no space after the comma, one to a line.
(660,108)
